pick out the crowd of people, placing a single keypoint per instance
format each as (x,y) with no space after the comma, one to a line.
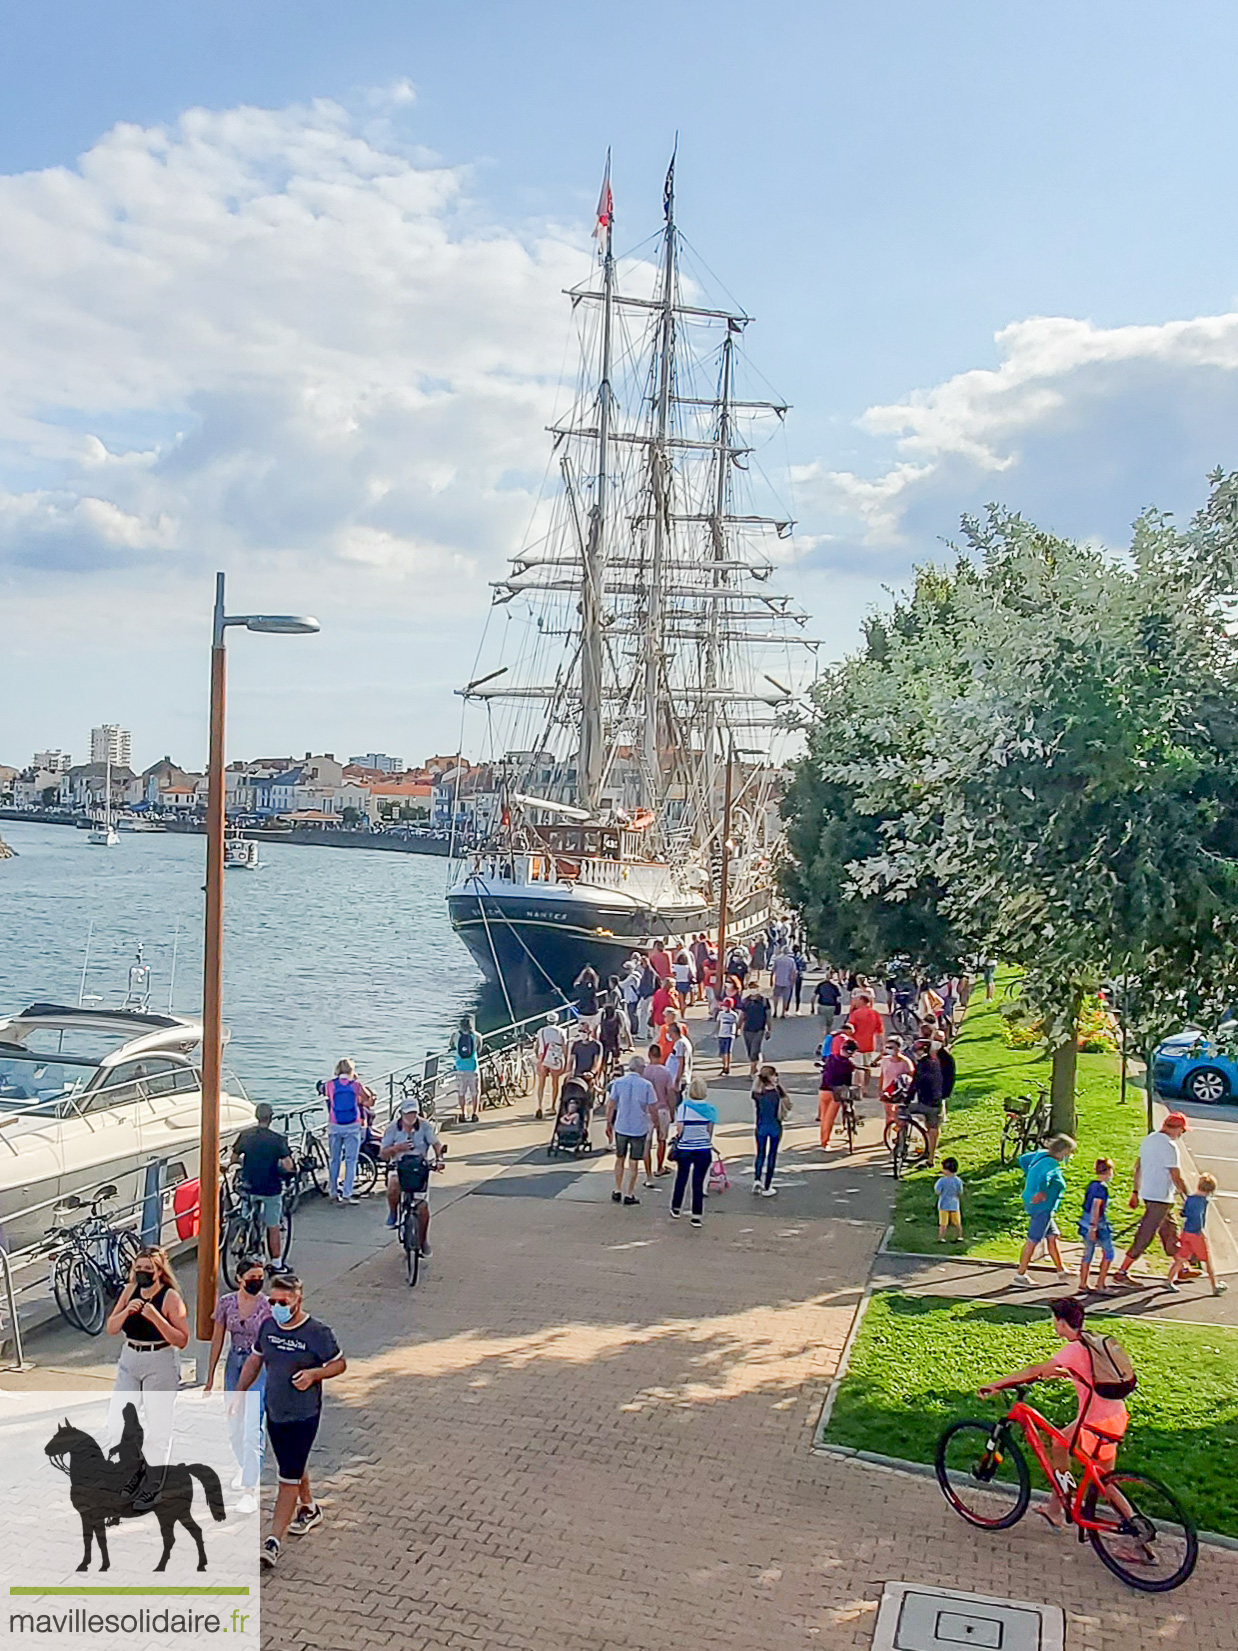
(622,1050)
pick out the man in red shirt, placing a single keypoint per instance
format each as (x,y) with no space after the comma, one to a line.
(867,1028)
(660,962)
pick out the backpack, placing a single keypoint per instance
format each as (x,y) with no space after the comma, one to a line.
(553,1053)
(344,1104)
(466,1045)
(1113,1374)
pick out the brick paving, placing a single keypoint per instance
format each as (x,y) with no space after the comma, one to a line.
(591,1428)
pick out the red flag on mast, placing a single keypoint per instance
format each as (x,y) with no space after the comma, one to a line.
(606,207)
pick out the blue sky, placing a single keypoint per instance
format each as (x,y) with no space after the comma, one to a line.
(897,191)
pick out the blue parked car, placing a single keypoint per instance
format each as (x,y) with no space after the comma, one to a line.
(1193,1066)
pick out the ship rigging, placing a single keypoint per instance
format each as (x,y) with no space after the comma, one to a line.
(652,639)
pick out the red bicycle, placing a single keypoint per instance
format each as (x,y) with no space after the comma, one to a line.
(1137,1526)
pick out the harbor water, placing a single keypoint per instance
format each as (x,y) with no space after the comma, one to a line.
(328,951)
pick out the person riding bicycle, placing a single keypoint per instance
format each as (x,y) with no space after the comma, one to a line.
(265,1158)
(409,1133)
(1100,1422)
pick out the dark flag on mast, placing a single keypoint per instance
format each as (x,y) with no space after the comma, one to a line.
(668,191)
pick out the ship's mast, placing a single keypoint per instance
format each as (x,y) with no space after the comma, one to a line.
(718,544)
(660,485)
(591,759)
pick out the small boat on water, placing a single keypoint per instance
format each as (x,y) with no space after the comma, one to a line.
(135,822)
(241,854)
(103,834)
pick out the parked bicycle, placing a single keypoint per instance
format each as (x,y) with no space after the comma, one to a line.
(92,1260)
(1137,1526)
(906,1139)
(1025,1126)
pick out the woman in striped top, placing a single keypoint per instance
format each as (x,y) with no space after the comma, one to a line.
(694,1135)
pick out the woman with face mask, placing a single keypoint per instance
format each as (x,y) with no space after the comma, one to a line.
(298,1354)
(241,1315)
(151,1317)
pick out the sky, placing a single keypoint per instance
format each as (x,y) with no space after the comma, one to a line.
(280,294)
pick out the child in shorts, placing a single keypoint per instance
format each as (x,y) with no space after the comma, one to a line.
(949,1190)
(728,1020)
(1193,1245)
(1094,1227)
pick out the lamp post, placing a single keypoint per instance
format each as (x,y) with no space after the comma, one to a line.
(282,624)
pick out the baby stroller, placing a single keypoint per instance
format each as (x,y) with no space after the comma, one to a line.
(571,1131)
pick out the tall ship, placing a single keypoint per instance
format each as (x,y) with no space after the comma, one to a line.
(645,661)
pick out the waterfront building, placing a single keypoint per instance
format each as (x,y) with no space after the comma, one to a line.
(51,762)
(111,743)
(379,761)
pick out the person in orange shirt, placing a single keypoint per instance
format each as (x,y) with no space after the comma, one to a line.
(867,1028)
(668,1032)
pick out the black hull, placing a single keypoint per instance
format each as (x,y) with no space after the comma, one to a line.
(536,949)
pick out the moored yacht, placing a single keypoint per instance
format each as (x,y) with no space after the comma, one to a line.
(89,1096)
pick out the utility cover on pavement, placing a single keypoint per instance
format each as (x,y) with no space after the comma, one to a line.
(915,1618)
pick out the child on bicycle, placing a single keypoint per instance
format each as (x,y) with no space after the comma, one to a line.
(1099,1423)
(1094,1228)
(949,1190)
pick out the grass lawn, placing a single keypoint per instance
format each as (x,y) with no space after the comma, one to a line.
(993,1219)
(918,1360)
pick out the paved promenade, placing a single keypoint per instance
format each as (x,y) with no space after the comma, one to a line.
(590,1428)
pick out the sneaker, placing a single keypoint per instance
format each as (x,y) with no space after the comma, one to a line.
(756,1187)
(1220,1287)
(675,1214)
(769,1192)
(426,1252)
(631,1200)
(304,1520)
(1023,1281)
(616,1197)
(248,1503)
(352,1199)
(268,1554)
(696,1221)
(1171,1286)
(1062,1275)
(393,1219)
(649,1183)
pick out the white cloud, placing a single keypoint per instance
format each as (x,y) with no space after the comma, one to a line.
(263,336)
(1080,426)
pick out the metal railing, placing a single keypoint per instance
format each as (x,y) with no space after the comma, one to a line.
(10,1304)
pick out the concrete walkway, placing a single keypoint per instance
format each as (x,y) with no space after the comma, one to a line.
(589,1427)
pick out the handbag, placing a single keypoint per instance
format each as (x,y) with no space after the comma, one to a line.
(672,1152)
(784,1108)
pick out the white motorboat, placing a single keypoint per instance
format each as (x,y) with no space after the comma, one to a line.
(89,1096)
(241,854)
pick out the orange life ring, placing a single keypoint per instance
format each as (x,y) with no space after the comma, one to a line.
(185,1202)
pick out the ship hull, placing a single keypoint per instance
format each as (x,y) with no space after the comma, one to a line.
(535,948)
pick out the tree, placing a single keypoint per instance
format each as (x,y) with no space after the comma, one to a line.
(1045,735)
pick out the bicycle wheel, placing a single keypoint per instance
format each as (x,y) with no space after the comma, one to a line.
(915,1145)
(315,1162)
(983,1474)
(1146,1537)
(849,1124)
(896,1146)
(78,1287)
(412,1244)
(236,1242)
(1012,1139)
(124,1254)
(366,1176)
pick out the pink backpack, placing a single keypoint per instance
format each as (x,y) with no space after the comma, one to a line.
(719,1180)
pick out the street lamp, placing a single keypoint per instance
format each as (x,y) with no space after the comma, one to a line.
(278,624)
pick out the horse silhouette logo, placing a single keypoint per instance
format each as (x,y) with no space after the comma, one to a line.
(104,1488)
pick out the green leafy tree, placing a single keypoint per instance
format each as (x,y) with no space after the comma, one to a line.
(1046,738)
